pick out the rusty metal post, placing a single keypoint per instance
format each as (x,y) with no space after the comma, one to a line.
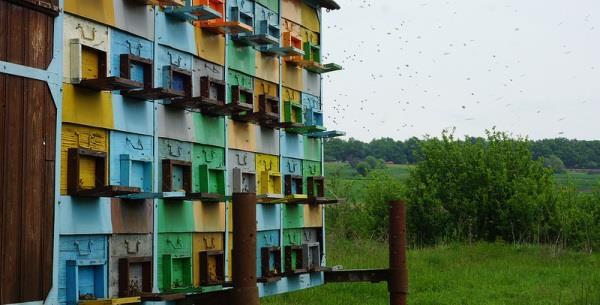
(398,281)
(245,291)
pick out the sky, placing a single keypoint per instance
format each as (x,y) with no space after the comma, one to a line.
(415,68)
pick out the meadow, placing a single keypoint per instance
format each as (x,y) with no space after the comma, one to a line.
(481,273)
(584,181)
(459,273)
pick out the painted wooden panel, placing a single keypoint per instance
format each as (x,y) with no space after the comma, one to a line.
(310,36)
(85,32)
(205,68)
(209,216)
(311,168)
(267,67)
(246,179)
(292,76)
(290,284)
(310,17)
(209,130)
(311,107)
(91,280)
(267,140)
(174,149)
(176,248)
(240,79)
(27,159)
(85,215)
(292,237)
(312,149)
(292,145)
(293,216)
(135,18)
(312,83)
(264,165)
(265,239)
(270,4)
(313,216)
(242,159)
(291,166)
(166,56)
(132,216)
(185,38)
(292,10)
(130,160)
(125,43)
(264,87)
(268,216)
(102,11)
(175,123)
(205,242)
(92,108)
(242,58)
(210,177)
(126,245)
(175,216)
(210,47)
(77,136)
(311,235)
(131,115)
(241,136)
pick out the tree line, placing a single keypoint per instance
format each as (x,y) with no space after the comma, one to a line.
(468,190)
(576,154)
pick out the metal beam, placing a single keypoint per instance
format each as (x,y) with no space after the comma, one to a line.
(359,275)
(51,77)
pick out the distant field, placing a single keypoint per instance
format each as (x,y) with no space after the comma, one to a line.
(462,274)
(583,180)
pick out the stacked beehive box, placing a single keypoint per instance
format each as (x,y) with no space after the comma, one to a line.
(168,108)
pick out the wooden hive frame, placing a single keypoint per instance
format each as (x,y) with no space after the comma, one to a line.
(312,256)
(241,110)
(100,189)
(125,287)
(176,75)
(148,92)
(270,273)
(81,54)
(205,257)
(291,182)
(240,23)
(295,252)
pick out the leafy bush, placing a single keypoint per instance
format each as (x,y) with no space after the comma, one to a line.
(473,189)
(479,189)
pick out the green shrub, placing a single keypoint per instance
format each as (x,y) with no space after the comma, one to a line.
(484,189)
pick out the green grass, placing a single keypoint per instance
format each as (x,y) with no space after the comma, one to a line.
(463,274)
(582,180)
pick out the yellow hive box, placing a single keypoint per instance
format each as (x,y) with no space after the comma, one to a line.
(76,136)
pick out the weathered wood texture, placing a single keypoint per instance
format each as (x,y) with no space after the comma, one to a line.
(27,156)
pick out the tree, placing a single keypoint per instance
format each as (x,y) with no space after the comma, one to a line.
(555,164)
(362,168)
(479,189)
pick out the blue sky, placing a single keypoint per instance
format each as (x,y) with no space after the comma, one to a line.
(416,67)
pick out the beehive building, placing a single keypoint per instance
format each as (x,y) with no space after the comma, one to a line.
(126,126)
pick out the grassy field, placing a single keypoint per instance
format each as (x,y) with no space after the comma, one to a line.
(463,274)
(582,180)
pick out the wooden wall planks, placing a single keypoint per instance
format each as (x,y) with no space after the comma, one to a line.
(27,139)
(27,189)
